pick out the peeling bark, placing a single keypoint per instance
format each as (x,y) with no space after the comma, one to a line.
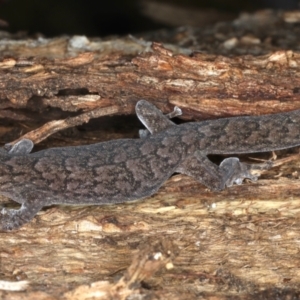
(202,85)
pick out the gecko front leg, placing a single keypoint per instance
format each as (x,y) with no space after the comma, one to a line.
(14,218)
(22,147)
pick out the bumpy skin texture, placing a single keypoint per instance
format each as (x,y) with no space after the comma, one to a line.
(127,169)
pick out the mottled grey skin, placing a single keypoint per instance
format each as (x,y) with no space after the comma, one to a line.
(127,169)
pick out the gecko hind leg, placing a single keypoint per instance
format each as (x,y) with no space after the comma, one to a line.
(230,171)
(215,177)
(14,218)
(235,171)
(153,118)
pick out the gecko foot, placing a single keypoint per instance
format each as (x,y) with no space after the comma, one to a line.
(7,221)
(14,218)
(235,171)
(22,147)
(175,113)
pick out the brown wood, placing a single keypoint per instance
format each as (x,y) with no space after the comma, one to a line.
(185,242)
(202,85)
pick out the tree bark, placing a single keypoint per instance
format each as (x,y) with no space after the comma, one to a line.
(184,242)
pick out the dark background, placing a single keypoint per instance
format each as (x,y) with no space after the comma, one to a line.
(102,18)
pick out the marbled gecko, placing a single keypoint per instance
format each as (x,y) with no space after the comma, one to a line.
(127,169)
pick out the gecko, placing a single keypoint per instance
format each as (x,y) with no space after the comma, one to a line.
(123,170)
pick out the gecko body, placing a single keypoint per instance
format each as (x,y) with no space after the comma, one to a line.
(128,169)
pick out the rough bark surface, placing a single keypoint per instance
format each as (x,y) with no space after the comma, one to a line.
(185,242)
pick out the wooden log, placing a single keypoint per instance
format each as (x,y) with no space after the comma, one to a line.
(184,242)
